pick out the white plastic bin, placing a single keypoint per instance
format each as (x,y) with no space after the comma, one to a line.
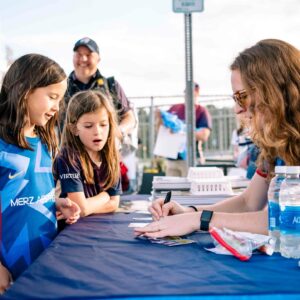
(211,186)
(204,172)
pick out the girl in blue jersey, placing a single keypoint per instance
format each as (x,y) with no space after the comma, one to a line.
(29,100)
(87,166)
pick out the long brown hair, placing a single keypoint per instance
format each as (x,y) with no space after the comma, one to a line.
(27,73)
(271,69)
(80,104)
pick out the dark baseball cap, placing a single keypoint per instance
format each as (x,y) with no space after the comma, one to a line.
(196,85)
(87,42)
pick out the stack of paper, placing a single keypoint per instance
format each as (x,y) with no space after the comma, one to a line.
(186,198)
(181,189)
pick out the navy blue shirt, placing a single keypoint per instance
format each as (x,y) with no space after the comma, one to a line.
(72,178)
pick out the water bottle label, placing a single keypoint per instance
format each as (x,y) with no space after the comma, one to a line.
(290,220)
(274,212)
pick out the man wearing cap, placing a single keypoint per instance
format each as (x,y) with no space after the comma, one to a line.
(86,75)
(203,123)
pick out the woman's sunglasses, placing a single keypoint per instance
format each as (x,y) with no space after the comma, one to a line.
(240,97)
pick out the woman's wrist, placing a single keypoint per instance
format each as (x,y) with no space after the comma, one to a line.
(196,220)
(188,209)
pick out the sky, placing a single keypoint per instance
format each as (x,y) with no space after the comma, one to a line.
(142,41)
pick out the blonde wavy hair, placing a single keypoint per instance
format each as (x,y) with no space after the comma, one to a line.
(271,71)
(80,104)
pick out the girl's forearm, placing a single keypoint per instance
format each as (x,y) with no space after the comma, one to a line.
(101,203)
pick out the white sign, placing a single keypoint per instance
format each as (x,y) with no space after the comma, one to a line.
(169,144)
(188,6)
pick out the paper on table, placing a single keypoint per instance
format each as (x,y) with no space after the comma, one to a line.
(139,206)
(138,224)
(169,144)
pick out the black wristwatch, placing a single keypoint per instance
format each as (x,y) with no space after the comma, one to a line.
(205,219)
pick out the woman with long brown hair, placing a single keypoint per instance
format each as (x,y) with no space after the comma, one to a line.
(265,81)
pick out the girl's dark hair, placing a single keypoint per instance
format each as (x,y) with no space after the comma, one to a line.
(82,103)
(27,73)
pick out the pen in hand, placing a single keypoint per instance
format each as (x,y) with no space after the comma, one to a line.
(168,197)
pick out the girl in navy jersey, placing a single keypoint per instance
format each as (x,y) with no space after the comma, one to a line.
(87,167)
(30,94)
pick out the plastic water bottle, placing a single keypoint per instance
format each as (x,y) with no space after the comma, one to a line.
(274,210)
(289,201)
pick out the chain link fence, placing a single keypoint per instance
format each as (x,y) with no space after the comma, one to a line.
(219,106)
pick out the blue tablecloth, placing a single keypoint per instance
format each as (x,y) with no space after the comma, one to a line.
(99,258)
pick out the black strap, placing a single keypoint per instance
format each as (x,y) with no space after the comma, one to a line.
(111,84)
(193,207)
(205,218)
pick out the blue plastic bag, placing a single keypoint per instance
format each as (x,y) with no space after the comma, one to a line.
(172,121)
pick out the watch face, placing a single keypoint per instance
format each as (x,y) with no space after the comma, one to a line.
(205,219)
(206,215)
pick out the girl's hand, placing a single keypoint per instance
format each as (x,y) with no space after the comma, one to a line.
(67,209)
(158,209)
(59,215)
(177,225)
(5,279)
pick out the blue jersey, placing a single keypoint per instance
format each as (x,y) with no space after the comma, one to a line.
(27,204)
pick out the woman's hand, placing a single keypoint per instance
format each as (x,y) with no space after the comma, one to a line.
(5,279)
(67,209)
(158,209)
(176,225)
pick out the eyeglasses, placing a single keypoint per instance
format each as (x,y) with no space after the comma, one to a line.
(239,97)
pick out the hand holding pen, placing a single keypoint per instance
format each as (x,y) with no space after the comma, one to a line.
(168,197)
(163,207)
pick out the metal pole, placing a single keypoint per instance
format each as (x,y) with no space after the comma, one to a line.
(189,93)
(152,124)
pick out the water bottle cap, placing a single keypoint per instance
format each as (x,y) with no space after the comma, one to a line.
(292,169)
(280,169)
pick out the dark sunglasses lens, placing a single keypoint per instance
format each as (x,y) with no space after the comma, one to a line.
(239,98)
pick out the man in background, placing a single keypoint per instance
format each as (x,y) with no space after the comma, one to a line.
(86,76)
(203,125)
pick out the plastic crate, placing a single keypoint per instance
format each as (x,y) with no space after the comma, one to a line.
(211,186)
(204,172)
